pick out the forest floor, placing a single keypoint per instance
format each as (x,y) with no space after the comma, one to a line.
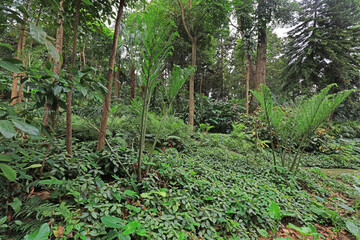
(337,171)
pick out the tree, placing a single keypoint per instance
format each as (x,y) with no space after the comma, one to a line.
(51,105)
(69,94)
(110,74)
(15,92)
(154,42)
(203,17)
(255,16)
(324,47)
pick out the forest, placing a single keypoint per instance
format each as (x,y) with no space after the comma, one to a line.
(180,119)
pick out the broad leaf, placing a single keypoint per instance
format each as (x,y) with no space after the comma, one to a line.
(353,228)
(10,66)
(37,33)
(8,172)
(130,193)
(130,228)
(52,50)
(25,127)
(41,234)
(16,204)
(6,158)
(274,211)
(7,129)
(112,222)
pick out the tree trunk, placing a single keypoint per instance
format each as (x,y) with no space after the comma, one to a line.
(51,108)
(261,58)
(260,73)
(105,111)
(84,55)
(132,83)
(117,83)
(191,85)
(68,139)
(193,63)
(250,73)
(20,46)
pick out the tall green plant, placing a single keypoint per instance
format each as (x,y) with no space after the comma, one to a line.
(296,125)
(172,86)
(154,42)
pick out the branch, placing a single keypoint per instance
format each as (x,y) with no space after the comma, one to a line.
(183,20)
(198,22)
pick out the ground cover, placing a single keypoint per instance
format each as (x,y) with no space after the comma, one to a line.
(199,193)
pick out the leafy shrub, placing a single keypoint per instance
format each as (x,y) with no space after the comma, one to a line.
(220,114)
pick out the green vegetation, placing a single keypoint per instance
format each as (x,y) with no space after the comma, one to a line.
(187,120)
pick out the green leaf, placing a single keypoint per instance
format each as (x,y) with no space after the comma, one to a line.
(130,228)
(182,235)
(3,220)
(8,65)
(6,158)
(130,193)
(87,2)
(6,45)
(274,210)
(41,234)
(302,230)
(33,166)
(16,204)
(145,195)
(52,50)
(262,232)
(37,33)
(23,126)
(122,237)
(353,228)
(112,222)
(57,90)
(8,172)
(142,232)
(7,129)
(163,194)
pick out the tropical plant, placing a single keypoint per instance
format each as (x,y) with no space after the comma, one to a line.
(9,124)
(293,128)
(154,42)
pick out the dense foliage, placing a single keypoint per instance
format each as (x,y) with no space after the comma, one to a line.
(179,119)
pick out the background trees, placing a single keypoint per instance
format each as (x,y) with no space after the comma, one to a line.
(323,47)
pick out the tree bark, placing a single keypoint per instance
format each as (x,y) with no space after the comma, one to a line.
(191,85)
(250,74)
(20,46)
(193,40)
(261,58)
(68,139)
(260,73)
(105,111)
(84,55)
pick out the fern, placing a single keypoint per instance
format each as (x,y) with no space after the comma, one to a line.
(299,123)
